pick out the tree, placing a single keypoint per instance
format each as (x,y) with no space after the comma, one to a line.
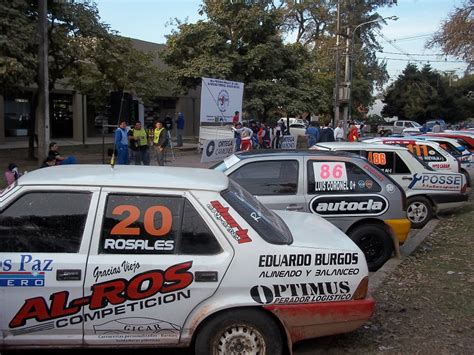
(83,52)
(240,41)
(456,35)
(423,95)
(314,22)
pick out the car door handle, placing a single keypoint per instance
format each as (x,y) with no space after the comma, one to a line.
(205,276)
(294,207)
(68,275)
(407,178)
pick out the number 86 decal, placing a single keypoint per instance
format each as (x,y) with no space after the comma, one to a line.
(123,227)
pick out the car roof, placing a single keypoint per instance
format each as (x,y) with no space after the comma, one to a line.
(285,153)
(359,145)
(408,139)
(127,176)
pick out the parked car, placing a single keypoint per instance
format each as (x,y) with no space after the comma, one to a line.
(92,256)
(429,152)
(430,124)
(428,191)
(343,188)
(397,127)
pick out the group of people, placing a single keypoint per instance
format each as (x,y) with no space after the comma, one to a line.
(325,133)
(134,144)
(257,135)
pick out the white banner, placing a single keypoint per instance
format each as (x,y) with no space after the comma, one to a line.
(217,149)
(220,99)
(288,142)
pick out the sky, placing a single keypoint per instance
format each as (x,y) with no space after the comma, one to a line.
(150,20)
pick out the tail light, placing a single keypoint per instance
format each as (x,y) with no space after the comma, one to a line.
(361,291)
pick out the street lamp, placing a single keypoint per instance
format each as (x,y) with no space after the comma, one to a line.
(394,18)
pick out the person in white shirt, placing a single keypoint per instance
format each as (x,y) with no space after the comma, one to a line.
(339,132)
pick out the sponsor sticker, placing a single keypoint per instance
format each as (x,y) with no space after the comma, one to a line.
(230,224)
(27,271)
(436,182)
(349,205)
(390,188)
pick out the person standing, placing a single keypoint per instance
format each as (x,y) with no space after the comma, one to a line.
(179,129)
(121,143)
(339,132)
(236,118)
(160,141)
(312,134)
(353,135)
(237,137)
(140,142)
(245,137)
(327,134)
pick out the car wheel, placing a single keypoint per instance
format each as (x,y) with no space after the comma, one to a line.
(375,243)
(241,331)
(467,176)
(419,211)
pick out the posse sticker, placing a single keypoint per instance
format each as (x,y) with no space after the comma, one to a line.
(349,205)
(223,215)
(436,182)
(26,272)
(301,292)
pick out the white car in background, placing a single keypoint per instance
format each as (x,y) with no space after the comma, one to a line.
(428,191)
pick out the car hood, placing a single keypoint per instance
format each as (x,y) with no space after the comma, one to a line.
(311,231)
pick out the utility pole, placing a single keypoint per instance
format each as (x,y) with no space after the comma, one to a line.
(347,80)
(42,109)
(336,86)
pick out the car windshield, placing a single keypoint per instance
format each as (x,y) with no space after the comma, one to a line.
(265,222)
(416,124)
(227,163)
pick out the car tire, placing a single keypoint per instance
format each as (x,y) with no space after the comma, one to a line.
(419,211)
(375,242)
(243,331)
(467,176)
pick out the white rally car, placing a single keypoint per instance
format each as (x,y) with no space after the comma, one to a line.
(148,256)
(428,191)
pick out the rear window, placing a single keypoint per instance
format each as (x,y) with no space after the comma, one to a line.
(265,222)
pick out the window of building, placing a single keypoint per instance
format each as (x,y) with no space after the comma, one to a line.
(276,177)
(144,224)
(333,177)
(44,222)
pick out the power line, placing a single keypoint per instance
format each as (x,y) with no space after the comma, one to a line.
(394,45)
(417,54)
(424,60)
(412,37)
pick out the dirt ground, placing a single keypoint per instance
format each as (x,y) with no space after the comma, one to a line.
(425,306)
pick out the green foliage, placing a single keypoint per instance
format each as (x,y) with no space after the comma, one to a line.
(83,51)
(424,94)
(240,41)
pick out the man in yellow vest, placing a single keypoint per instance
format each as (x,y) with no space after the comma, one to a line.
(160,141)
(139,144)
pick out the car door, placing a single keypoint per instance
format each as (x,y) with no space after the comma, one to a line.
(155,256)
(393,164)
(278,183)
(44,241)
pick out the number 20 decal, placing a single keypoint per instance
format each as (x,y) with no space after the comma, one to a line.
(123,227)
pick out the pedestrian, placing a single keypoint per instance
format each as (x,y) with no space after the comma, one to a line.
(327,134)
(339,132)
(264,136)
(12,174)
(49,161)
(179,129)
(59,159)
(312,134)
(437,128)
(278,134)
(245,136)
(353,135)
(160,141)
(121,144)
(236,118)
(139,141)
(237,137)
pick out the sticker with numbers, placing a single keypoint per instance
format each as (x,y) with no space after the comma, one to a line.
(330,171)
